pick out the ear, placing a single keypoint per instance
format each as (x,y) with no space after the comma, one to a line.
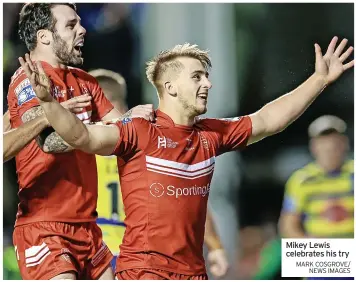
(170,88)
(346,142)
(44,36)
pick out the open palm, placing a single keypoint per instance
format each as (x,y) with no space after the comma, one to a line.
(331,66)
(38,78)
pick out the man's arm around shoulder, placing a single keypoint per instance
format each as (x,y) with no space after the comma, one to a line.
(16,139)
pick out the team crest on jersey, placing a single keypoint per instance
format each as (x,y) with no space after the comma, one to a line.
(24,92)
(164,142)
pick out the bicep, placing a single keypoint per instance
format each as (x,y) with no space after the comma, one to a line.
(102,139)
(258,128)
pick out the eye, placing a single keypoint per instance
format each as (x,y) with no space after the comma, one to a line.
(196,77)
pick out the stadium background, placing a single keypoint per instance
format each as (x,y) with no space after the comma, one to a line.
(259,52)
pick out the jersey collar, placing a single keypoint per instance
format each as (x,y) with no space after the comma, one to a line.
(165,120)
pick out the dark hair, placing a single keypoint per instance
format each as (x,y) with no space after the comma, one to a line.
(36,16)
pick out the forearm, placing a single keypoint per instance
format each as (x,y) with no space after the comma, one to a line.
(67,125)
(16,139)
(211,238)
(278,114)
(51,142)
(293,232)
(289,226)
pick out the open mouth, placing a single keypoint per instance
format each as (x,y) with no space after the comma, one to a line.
(203,97)
(78,47)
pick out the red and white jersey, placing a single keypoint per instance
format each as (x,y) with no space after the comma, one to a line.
(56,187)
(165,173)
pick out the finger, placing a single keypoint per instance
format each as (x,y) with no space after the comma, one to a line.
(341,47)
(216,271)
(76,110)
(331,47)
(349,65)
(81,105)
(25,67)
(40,68)
(29,62)
(33,79)
(83,98)
(318,54)
(347,53)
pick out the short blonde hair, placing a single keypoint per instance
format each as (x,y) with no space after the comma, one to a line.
(167,60)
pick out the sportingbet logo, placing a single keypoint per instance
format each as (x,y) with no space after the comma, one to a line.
(157,190)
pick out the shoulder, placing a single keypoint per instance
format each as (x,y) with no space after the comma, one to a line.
(137,122)
(348,166)
(208,123)
(218,121)
(83,75)
(20,88)
(224,125)
(302,175)
(18,74)
(18,78)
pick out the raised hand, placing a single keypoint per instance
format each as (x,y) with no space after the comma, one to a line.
(38,78)
(143,111)
(330,66)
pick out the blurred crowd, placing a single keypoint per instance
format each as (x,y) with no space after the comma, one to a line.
(277,62)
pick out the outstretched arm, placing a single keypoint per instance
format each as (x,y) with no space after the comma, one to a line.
(278,114)
(16,139)
(96,139)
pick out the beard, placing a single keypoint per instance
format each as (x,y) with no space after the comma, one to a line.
(66,55)
(192,110)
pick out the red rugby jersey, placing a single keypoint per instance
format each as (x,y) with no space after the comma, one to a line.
(165,173)
(56,187)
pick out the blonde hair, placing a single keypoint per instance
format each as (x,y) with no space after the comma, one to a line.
(103,75)
(167,60)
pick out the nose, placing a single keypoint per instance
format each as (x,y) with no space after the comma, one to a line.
(207,83)
(82,31)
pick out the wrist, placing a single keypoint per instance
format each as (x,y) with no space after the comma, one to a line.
(321,79)
(48,99)
(213,244)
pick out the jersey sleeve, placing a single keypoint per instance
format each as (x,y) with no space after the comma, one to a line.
(294,197)
(21,97)
(233,133)
(134,136)
(101,105)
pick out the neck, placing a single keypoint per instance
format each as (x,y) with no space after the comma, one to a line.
(328,168)
(50,58)
(176,113)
